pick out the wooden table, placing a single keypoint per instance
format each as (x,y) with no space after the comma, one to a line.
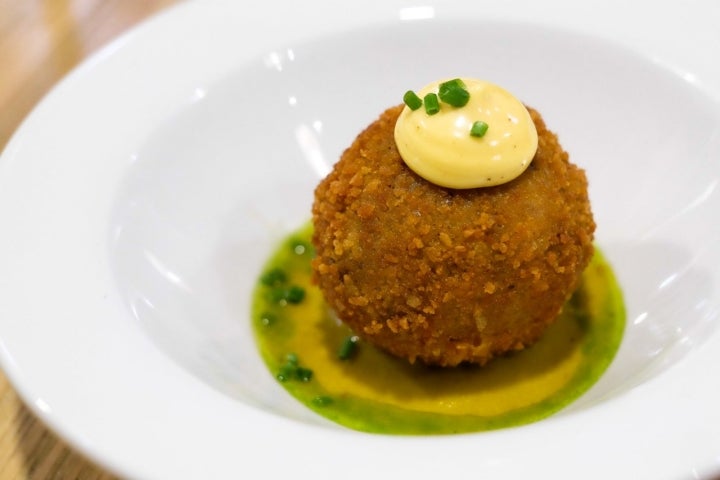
(40,41)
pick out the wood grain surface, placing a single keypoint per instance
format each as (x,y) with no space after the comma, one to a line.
(40,41)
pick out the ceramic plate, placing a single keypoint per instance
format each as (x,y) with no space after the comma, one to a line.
(140,199)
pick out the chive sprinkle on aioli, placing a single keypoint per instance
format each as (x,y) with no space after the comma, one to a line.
(412,100)
(432,105)
(479,128)
(453,92)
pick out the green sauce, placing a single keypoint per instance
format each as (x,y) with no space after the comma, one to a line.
(368,390)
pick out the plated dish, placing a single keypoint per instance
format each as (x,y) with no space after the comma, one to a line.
(142,196)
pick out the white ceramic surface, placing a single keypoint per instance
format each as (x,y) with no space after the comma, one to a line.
(141,197)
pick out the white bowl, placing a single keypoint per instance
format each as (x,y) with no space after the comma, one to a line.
(141,197)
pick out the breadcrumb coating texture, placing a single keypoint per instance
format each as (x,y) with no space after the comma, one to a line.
(447,276)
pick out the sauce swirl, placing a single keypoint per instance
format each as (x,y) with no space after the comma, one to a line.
(304,347)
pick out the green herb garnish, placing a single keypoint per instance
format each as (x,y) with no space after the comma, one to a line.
(274,277)
(479,128)
(453,92)
(291,370)
(292,295)
(295,294)
(432,105)
(412,100)
(348,348)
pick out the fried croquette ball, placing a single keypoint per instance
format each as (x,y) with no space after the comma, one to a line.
(445,276)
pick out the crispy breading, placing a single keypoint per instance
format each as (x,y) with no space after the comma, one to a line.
(447,276)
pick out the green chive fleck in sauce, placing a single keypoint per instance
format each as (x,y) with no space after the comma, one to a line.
(322,364)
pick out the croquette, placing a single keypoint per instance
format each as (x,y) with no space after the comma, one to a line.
(443,276)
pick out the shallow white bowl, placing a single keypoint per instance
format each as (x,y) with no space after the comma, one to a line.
(142,196)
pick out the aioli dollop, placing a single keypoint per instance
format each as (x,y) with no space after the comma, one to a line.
(441,149)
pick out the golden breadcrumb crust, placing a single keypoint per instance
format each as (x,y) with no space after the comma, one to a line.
(448,276)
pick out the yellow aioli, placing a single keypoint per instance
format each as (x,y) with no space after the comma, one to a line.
(440,148)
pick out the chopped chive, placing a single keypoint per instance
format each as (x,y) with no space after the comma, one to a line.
(456,82)
(274,277)
(303,374)
(348,348)
(286,372)
(295,294)
(432,105)
(478,128)
(291,370)
(412,100)
(453,92)
(283,296)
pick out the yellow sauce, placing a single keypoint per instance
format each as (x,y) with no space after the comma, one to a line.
(440,148)
(375,392)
